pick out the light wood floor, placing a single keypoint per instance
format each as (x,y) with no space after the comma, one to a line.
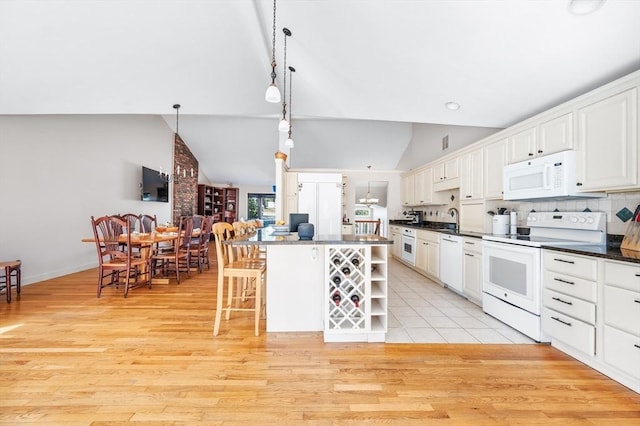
(69,358)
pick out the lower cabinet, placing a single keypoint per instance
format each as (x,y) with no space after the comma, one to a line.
(355,296)
(428,253)
(395,233)
(472,269)
(591,311)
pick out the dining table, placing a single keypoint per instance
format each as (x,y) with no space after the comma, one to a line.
(145,242)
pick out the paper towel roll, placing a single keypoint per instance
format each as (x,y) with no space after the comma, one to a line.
(514,223)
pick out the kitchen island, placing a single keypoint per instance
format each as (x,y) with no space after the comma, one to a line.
(333,283)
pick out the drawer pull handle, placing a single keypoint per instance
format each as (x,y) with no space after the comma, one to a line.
(563,322)
(567,303)
(564,261)
(637,275)
(564,281)
(637,346)
(636,300)
(473,244)
(470,255)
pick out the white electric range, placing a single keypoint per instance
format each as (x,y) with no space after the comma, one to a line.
(512,265)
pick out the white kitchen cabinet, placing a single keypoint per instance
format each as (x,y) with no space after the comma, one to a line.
(408,190)
(428,252)
(495,158)
(423,187)
(472,269)
(522,145)
(569,300)
(555,135)
(422,254)
(471,176)
(622,317)
(355,296)
(607,143)
(446,175)
(395,233)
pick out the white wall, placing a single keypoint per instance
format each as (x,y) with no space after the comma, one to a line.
(58,171)
(426,142)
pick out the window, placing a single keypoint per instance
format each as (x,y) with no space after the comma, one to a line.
(263,207)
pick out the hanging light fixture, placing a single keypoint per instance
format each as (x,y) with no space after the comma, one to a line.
(289,142)
(283,126)
(165,173)
(177,108)
(273,93)
(369,200)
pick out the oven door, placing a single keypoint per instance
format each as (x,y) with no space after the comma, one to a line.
(409,250)
(512,273)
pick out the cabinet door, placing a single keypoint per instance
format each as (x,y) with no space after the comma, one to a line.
(494,161)
(522,146)
(422,254)
(472,276)
(556,135)
(418,189)
(433,259)
(452,168)
(438,173)
(397,245)
(408,187)
(608,143)
(471,176)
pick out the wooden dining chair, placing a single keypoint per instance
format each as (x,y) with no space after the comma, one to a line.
(148,223)
(180,254)
(115,255)
(11,270)
(132,221)
(200,244)
(232,269)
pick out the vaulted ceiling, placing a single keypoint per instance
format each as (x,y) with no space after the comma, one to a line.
(365,70)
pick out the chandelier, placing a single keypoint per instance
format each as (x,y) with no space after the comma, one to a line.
(369,200)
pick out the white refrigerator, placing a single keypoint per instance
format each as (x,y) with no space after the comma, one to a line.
(320,195)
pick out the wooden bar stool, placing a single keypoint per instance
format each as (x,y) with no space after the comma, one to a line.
(11,268)
(232,268)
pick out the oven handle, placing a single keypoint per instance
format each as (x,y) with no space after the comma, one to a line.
(563,322)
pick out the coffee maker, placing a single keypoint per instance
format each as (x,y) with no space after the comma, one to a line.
(415,216)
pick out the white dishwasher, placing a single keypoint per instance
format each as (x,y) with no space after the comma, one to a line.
(451,261)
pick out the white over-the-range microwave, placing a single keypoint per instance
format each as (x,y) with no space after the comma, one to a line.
(551,176)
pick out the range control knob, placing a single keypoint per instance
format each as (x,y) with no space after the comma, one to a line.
(590,220)
(573,219)
(582,219)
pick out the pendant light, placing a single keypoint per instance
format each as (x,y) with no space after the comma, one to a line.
(283,126)
(289,142)
(177,108)
(273,93)
(369,200)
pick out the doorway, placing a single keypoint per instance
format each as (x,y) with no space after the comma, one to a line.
(263,207)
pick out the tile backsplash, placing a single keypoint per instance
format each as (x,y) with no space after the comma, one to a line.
(610,205)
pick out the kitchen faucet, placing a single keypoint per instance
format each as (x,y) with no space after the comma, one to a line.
(454,212)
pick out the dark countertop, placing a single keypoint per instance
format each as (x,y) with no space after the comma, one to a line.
(442,227)
(606,252)
(267,236)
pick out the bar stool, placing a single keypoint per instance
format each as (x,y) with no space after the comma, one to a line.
(11,268)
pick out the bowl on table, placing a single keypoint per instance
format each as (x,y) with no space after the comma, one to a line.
(161,229)
(280,228)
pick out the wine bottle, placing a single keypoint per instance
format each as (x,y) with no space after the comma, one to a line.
(336,261)
(356,300)
(346,271)
(355,262)
(337,280)
(336,298)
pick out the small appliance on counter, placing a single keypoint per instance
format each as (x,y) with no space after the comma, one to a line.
(414,216)
(501,224)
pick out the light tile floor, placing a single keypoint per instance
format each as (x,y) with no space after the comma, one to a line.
(421,311)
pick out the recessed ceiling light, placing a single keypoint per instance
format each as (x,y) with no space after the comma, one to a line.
(453,106)
(584,7)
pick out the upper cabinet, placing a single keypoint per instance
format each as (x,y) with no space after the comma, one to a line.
(608,143)
(408,190)
(495,157)
(522,145)
(556,135)
(418,188)
(446,175)
(545,138)
(471,176)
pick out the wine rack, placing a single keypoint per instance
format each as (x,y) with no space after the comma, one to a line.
(355,293)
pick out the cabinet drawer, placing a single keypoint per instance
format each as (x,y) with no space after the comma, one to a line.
(473,245)
(429,236)
(569,305)
(622,309)
(567,284)
(577,266)
(622,275)
(571,331)
(622,350)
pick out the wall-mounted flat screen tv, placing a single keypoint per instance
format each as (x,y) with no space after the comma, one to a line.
(154,186)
